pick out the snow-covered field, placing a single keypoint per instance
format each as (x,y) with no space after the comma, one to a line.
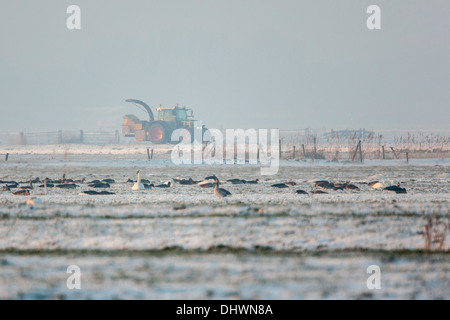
(183,242)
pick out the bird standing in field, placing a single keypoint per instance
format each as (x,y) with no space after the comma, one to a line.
(99,185)
(209,182)
(138,185)
(185,182)
(324,184)
(67,186)
(349,186)
(96,193)
(220,192)
(22,192)
(396,189)
(318,192)
(375,184)
(280,185)
(167,184)
(236,181)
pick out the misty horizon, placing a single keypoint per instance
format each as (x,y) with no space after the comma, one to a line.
(238,64)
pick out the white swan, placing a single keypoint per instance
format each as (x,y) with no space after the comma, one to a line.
(138,185)
(376,185)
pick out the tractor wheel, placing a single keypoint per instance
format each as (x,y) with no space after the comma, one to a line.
(157,133)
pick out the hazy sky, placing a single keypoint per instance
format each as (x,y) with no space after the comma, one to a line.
(238,63)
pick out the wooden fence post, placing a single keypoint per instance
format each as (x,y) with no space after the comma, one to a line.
(358,147)
(279,148)
(257,155)
(394,153)
(360,152)
(315,148)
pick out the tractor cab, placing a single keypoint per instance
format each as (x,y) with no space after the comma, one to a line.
(177,115)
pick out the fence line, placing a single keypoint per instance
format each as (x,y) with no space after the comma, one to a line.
(295,144)
(59,137)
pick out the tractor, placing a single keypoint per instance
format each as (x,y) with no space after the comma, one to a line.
(158,130)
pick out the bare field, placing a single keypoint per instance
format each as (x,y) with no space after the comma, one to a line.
(261,243)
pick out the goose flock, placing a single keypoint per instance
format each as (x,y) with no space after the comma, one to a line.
(98,187)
